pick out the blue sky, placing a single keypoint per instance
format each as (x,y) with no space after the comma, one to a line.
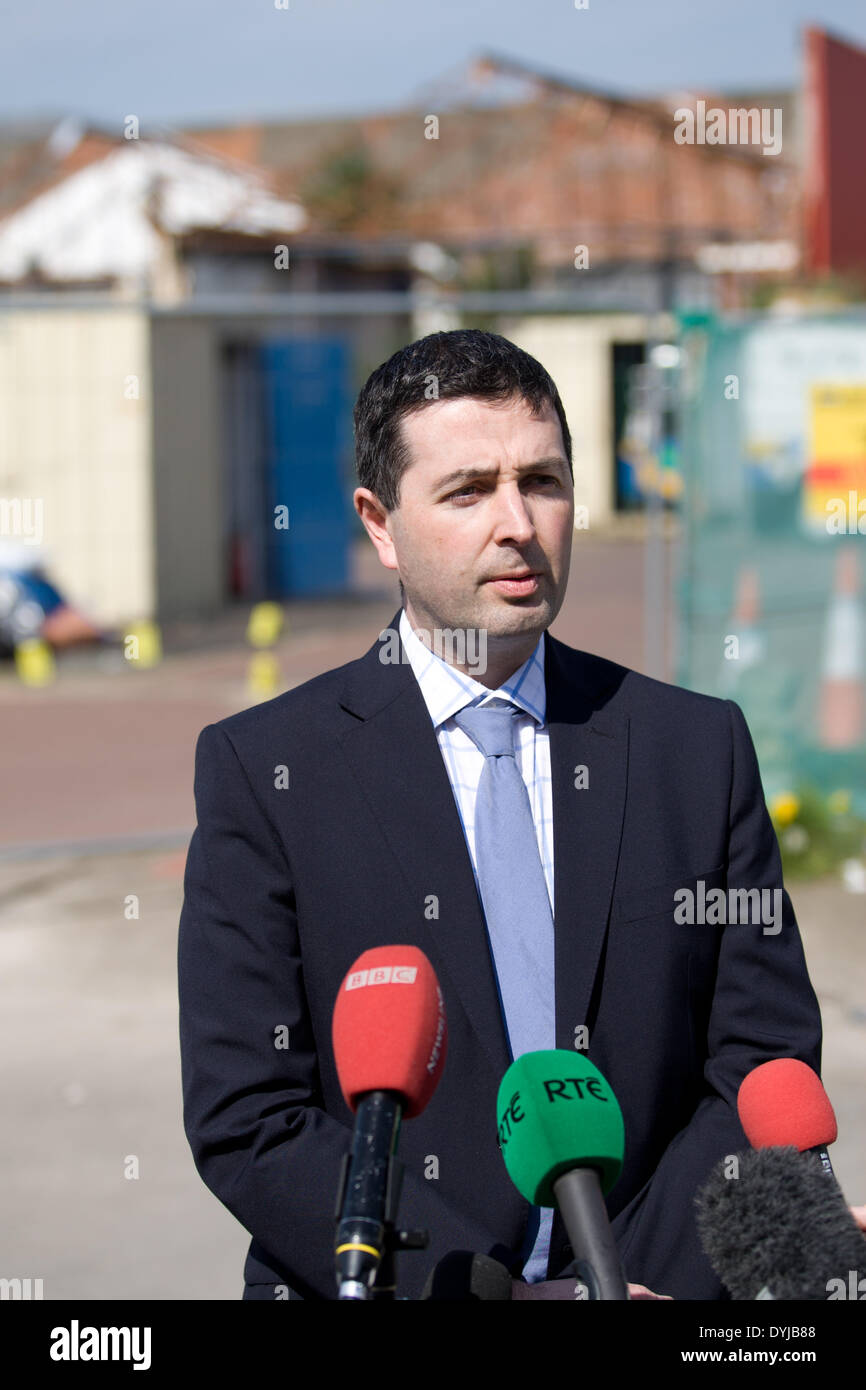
(220,61)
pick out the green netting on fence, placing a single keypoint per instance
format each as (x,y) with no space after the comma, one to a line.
(771,583)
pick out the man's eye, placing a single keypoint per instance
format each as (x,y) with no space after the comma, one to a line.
(531,477)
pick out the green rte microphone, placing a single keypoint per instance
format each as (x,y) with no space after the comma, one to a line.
(562,1138)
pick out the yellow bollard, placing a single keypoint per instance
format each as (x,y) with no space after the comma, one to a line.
(142,644)
(265,624)
(263,675)
(34,662)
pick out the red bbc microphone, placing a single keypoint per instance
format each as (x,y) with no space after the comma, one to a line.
(389,1042)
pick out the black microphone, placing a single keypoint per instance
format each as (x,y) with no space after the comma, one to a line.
(462,1277)
(779,1230)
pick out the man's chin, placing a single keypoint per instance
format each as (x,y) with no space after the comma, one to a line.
(510,617)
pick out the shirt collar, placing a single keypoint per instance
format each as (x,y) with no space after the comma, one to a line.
(447,690)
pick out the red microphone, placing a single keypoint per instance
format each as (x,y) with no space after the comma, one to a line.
(389,1042)
(783,1104)
(389,1027)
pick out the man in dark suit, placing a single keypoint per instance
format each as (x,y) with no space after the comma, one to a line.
(342,815)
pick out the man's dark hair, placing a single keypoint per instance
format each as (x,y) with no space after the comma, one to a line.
(442,366)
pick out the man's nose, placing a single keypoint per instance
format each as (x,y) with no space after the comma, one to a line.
(512,514)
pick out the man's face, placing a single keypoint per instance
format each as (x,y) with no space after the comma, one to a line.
(487,494)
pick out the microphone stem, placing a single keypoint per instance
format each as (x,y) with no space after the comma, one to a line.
(361,1235)
(581,1204)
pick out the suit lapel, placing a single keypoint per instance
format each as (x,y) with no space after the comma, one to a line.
(394,755)
(588,765)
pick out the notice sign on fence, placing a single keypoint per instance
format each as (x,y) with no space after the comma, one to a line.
(835,480)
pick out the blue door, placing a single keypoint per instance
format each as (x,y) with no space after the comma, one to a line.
(308,411)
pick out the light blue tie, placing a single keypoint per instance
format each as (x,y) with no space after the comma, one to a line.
(516,902)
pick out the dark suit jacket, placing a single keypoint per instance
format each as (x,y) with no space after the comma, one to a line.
(286,886)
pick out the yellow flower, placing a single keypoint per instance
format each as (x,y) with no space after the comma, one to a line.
(839,803)
(784,808)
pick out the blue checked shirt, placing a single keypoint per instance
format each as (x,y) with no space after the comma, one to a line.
(446,691)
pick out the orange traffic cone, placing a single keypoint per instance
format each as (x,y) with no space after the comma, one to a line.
(750,645)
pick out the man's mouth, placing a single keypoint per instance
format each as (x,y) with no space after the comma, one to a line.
(517,582)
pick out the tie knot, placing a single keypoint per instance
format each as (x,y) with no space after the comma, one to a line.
(490,727)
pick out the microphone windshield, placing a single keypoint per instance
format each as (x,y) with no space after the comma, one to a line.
(783,1104)
(778,1224)
(388,1028)
(555,1111)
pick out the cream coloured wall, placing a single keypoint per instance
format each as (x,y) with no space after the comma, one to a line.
(75,433)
